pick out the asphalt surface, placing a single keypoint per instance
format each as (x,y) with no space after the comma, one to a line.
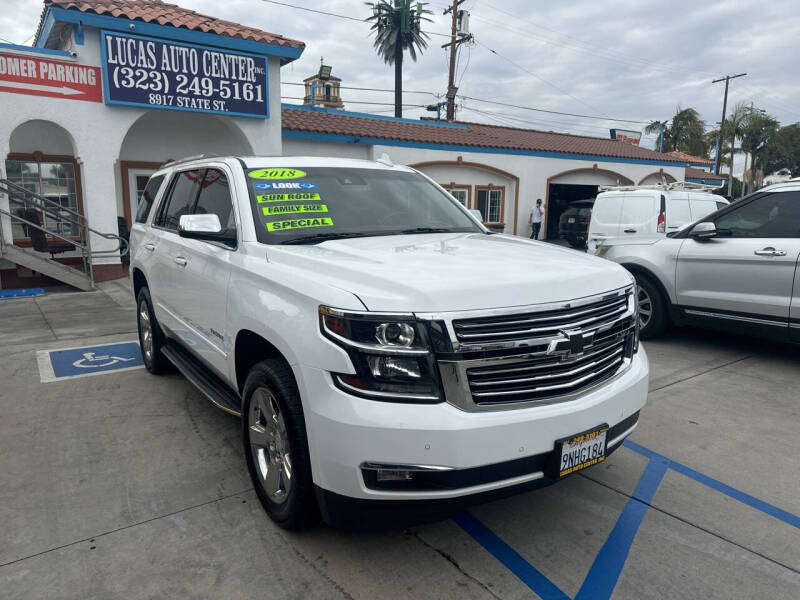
(127,485)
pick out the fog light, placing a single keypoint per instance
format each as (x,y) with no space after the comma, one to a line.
(394,475)
(393,367)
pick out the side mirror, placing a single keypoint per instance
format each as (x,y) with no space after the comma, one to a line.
(704,230)
(204,227)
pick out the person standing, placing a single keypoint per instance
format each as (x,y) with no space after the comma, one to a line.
(537,215)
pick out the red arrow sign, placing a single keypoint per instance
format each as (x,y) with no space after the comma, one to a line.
(53,78)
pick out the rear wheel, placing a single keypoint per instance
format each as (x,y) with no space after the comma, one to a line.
(576,243)
(653,318)
(276,446)
(151,338)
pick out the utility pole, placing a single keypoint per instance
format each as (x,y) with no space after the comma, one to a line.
(451,84)
(726,79)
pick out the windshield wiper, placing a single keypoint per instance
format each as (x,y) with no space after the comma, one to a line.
(324,237)
(428,230)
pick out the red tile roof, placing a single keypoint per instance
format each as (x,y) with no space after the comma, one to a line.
(472,134)
(692,173)
(682,156)
(161,13)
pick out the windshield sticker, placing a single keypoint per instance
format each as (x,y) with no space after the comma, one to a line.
(285,185)
(277,173)
(294,208)
(299,224)
(289,197)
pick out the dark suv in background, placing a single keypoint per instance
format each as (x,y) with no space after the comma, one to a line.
(573,225)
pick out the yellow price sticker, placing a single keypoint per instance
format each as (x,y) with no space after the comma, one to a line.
(277,173)
(288,197)
(300,224)
(294,208)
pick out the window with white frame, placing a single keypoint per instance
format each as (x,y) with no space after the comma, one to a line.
(490,202)
(459,194)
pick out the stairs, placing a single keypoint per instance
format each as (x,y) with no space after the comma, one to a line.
(45,266)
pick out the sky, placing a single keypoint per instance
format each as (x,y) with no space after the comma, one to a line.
(636,60)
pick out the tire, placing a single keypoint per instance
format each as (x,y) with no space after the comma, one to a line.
(277,455)
(650,300)
(151,345)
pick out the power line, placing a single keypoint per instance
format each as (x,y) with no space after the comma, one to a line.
(588,129)
(345,87)
(331,14)
(555,112)
(359,102)
(529,72)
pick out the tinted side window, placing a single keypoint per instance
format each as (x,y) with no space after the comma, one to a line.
(775,215)
(181,200)
(148,197)
(215,198)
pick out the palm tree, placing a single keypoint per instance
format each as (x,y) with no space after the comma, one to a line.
(732,128)
(685,132)
(659,127)
(397,28)
(758,131)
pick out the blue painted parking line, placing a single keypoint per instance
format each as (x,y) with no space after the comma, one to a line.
(607,567)
(527,573)
(21,293)
(84,361)
(731,492)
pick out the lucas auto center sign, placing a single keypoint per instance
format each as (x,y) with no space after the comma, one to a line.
(24,74)
(156,73)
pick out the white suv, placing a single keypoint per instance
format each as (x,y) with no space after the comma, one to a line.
(378,342)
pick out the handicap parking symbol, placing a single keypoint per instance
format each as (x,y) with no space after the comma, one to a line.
(67,363)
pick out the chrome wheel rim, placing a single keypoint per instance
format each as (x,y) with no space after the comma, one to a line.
(145,331)
(269,445)
(645,307)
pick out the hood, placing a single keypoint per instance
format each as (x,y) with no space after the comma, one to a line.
(451,271)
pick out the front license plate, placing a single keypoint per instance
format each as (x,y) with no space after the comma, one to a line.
(581,451)
(570,220)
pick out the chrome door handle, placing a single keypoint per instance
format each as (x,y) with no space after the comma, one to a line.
(769,251)
(181,261)
(150,247)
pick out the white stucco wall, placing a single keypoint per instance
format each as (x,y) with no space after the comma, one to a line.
(295,147)
(98,130)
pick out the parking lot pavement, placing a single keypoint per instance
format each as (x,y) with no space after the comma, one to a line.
(130,485)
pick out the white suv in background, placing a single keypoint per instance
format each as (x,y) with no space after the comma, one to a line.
(735,269)
(647,211)
(382,347)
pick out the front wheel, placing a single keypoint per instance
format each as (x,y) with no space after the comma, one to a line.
(653,318)
(151,338)
(276,446)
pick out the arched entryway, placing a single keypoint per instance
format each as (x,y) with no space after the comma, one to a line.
(42,159)
(657,177)
(491,191)
(574,185)
(159,136)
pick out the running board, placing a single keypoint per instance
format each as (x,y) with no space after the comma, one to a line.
(202,378)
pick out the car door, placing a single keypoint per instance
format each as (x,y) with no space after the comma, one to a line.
(165,274)
(203,274)
(605,219)
(746,273)
(678,211)
(639,214)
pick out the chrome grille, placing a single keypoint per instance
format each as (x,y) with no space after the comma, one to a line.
(536,325)
(545,377)
(539,355)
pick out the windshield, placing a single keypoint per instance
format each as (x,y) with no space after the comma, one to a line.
(311,204)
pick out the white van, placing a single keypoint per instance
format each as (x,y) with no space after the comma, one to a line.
(647,210)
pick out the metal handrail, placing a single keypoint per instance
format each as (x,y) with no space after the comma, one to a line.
(12,190)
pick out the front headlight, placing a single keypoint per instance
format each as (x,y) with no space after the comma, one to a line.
(391,354)
(633,307)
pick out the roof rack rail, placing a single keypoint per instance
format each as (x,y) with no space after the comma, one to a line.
(675,185)
(189,159)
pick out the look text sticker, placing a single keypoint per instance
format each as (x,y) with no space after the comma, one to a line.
(277,173)
(285,185)
(299,224)
(288,197)
(294,208)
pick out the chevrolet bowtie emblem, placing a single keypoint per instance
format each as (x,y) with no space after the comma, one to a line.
(572,344)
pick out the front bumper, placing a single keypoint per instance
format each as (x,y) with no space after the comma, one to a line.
(344,432)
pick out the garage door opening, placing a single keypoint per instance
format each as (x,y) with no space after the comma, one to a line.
(559,198)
